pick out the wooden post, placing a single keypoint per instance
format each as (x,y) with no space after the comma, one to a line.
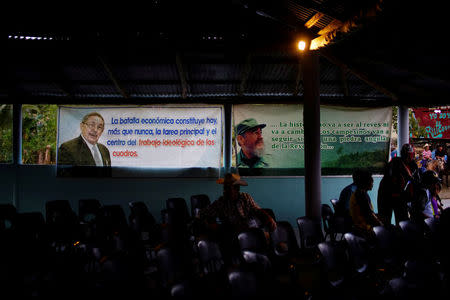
(311,123)
(17,151)
(403,127)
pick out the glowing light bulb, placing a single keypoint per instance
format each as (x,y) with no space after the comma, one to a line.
(301,45)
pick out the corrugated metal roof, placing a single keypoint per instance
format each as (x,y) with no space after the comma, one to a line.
(240,49)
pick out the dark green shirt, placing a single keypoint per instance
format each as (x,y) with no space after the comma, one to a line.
(257,162)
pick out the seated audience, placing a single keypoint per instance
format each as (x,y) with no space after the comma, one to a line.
(426,203)
(361,209)
(343,205)
(234,210)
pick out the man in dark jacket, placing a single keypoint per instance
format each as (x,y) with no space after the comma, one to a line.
(397,186)
(85,150)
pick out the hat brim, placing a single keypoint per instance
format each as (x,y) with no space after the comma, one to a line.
(237,182)
(250,128)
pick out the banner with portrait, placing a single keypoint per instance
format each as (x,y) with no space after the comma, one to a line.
(172,138)
(274,142)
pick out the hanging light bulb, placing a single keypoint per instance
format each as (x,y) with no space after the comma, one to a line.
(301,45)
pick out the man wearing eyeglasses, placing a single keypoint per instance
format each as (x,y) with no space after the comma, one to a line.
(85,150)
(249,137)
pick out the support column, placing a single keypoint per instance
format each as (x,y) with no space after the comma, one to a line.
(403,127)
(17,151)
(311,124)
(228,137)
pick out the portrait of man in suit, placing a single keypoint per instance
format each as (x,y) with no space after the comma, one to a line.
(85,150)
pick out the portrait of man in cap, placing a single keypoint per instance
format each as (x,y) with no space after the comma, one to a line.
(250,140)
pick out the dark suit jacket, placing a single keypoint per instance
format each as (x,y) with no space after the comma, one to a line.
(76,153)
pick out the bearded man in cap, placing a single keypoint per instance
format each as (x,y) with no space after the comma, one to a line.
(249,138)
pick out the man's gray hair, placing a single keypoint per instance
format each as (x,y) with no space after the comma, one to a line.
(92,114)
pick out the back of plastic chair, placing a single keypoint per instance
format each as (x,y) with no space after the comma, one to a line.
(283,239)
(138,207)
(327,220)
(432,224)
(411,231)
(253,240)
(182,290)
(270,212)
(335,262)
(210,256)
(310,232)
(178,204)
(59,212)
(358,250)
(412,238)
(199,202)
(334,203)
(141,220)
(111,219)
(385,236)
(88,209)
(388,245)
(171,266)
(243,284)
(8,215)
(30,226)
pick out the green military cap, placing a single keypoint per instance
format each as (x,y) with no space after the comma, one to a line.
(247,124)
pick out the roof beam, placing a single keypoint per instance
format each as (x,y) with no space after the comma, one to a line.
(112,77)
(57,78)
(364,77)
(333,25)
(313,20)
(312,5)
(298,78)
(330,34)
(344,82)
(245,74)
(182,75)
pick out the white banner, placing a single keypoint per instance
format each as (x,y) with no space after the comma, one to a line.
(350,138)
(159,136)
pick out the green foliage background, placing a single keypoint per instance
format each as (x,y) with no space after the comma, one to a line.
(38,131)
(414,129)
(6,147)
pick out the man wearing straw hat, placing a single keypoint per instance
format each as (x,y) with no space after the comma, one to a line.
(234,210)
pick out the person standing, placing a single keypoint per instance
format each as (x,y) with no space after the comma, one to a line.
(397,186)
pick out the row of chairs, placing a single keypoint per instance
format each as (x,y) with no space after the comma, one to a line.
(101,239)
(374,263)
(170,260)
